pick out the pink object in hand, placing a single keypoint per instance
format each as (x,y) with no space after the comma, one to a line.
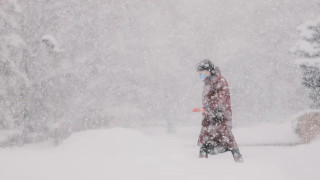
(196,110)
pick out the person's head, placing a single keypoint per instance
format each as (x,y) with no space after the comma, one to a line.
(206,68)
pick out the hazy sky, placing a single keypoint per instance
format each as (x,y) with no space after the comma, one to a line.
(139,57)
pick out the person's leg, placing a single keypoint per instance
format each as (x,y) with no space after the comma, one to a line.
(203,152)
(233,147)
(236,155)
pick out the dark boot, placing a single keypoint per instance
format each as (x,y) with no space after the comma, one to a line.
(203,152)
(237,155)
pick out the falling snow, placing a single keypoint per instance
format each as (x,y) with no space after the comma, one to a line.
(103,89)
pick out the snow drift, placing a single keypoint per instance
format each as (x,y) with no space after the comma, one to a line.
(150,153)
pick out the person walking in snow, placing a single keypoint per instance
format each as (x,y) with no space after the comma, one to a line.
(216,135)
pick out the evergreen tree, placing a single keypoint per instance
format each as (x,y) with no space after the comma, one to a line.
(309,49)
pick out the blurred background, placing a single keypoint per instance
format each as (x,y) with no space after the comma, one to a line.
(73,65)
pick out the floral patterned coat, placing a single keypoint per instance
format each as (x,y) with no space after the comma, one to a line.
(217,118)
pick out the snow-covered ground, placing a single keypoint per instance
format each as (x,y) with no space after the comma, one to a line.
(151,154)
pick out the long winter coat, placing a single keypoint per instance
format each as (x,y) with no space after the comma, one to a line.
(217,120)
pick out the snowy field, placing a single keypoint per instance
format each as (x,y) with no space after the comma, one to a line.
(151,154)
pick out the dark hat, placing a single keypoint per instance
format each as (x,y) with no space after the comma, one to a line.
(206,65)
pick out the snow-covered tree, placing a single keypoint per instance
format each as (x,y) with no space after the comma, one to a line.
(36,69)
(13,78)
(308,48)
